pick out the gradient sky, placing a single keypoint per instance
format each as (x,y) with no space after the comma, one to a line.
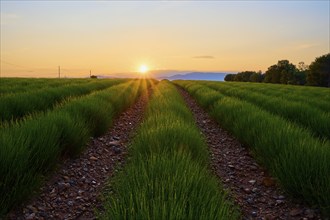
(117,37)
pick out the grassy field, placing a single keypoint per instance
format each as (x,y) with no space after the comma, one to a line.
(295,153)
(17,85)
(302,113)
(167,175)
(307,95)
(31,147)
(17,105)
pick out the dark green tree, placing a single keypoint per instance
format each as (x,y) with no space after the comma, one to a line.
(238,77)
(246,75)
(287,71)
(302,66)
(229,77)
(269,74)
(283,72)
(319,72)
(243,76)
(256,77)
(300,75)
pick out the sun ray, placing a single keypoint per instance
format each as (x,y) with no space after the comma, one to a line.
(143,69)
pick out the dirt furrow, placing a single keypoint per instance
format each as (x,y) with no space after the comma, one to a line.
(73,191)
(254,191)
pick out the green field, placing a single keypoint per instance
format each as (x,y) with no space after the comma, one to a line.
(167,178)
(167,175)
(32,146)
(290,138)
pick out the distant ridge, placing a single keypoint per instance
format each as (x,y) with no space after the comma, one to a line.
(197,76)
(171,75)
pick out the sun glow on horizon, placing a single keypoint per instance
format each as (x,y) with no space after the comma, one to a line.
(143,69)
(140,39)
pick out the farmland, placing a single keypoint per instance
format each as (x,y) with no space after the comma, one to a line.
(294,149)
(16,105)
(32,146)
(154,176)
(167,172)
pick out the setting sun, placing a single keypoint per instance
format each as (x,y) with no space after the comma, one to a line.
(143,69)
(129,40)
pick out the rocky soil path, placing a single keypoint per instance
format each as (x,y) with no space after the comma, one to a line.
(253,190)
(73,191)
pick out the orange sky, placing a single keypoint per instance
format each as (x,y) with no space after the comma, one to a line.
(117,37)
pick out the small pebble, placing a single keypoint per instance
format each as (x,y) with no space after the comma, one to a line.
(254,214)
(31,216)
(295,212)
(279,201)
(116,150)
(281,197)
(250,200)
(93,158)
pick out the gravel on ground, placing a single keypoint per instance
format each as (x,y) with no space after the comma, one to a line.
(73,191)
(248,183)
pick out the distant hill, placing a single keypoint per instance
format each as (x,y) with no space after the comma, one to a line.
(197,76)
(171,75)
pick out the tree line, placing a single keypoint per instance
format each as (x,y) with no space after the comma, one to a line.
(284,72)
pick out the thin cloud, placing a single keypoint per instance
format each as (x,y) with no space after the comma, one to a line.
(203,57)
(306,46)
